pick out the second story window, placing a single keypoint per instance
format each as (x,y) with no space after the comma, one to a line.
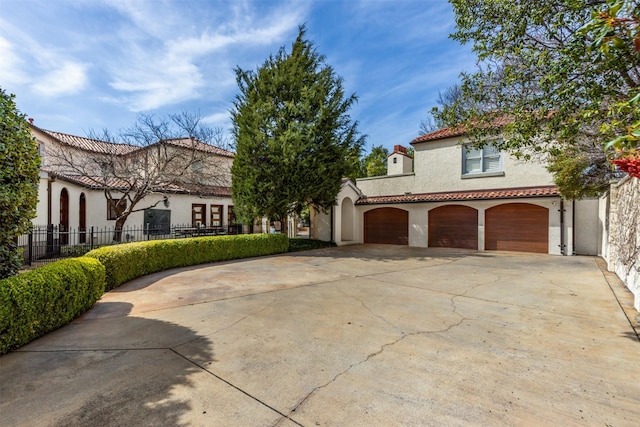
(477,161)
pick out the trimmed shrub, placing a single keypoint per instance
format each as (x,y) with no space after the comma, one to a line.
(131,260)
(42,300)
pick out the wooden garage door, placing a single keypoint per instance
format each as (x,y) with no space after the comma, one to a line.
(519,227)
(386,225)
(453,226)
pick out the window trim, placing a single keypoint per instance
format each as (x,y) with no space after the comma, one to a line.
(482,173)
(216,222)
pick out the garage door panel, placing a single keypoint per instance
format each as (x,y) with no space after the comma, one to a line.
(453,226)
(387,226)
(521,227)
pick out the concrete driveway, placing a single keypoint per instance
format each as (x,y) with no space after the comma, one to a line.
(366,335)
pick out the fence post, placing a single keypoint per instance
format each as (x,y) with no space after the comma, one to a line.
(30,244)
(148,234)
(91,239)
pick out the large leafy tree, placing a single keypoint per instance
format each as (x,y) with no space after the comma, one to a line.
(19,176)
(542,67)
(375,163)
(294,139)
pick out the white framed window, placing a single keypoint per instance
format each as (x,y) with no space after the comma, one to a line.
(479,161)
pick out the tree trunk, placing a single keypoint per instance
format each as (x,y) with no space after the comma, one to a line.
(117,232)
(284,221)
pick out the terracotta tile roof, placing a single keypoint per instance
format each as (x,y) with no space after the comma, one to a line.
(98,183)
(451,132)
(103,147)
(504,193)
(438,134)
(200,146)
(88,144)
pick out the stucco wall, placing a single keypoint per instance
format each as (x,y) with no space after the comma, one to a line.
(96,206)
(438,167)
(624,234)
(403,164)
(391,185)
(588,227)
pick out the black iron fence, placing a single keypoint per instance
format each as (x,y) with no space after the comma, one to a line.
(52,242)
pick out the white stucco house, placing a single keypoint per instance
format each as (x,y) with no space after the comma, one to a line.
(72,200)
(452,195)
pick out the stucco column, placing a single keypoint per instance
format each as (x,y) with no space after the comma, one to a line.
(481,228)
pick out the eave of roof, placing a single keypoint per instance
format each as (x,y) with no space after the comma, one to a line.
(439,134)
(456,196)
(200,146)
(115,184)
(104,147)
(448,132)
(88,144)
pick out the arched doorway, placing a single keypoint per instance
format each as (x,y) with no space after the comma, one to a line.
(64,217)
(82,223)
(386,225)
(521,227)
(346,224)
(453,226)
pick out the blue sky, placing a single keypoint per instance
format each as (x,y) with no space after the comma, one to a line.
(81,65)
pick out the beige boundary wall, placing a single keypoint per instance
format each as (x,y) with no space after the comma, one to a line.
(622,251)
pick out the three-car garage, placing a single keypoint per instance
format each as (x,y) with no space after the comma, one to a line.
(510,226)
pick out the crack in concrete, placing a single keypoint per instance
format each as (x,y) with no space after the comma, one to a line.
(571,291)
(403,336)
(409,269)
(369,309)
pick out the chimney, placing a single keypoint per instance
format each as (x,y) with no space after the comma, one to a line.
(31,120)
(399,149)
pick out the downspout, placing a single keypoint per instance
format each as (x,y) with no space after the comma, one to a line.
(49,181)
(573,227)
(332,237)
(563,249)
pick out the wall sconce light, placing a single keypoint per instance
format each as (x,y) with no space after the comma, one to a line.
(165,200)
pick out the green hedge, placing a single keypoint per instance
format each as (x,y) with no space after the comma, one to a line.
(131,260)
(42,300)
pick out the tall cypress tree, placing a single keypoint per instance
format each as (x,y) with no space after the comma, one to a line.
(19,176)
(294,139)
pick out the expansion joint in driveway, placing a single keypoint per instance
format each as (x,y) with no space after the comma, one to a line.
(249,395)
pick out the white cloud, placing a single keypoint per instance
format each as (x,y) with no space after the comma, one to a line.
(176,62)
(221,119)
(11,72)
(68,79)
(168,84)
